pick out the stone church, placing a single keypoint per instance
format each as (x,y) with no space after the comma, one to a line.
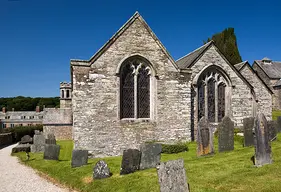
(132,91)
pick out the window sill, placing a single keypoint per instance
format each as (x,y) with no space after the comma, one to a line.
(132,120)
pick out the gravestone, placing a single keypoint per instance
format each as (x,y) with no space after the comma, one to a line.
(279,124)
(172,177)
(79,158)
(51,139)
(130,161)
(26,139)
(248,126)
(38,143)
(272,130)
(101,170)
(150,155)
(226,135)
(52,152)
(21,147)
(204,138)
(262,144)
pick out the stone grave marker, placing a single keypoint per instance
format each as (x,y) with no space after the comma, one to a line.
(150,155)
(279,124)
(226,135)
(130,161)
(38,143)
(204,138)
(262,144)
(101,170)
(26,139)
(79,158)
(21,147)
(52,152)
(248,126)
(272,130)
(51,139)
(172,177)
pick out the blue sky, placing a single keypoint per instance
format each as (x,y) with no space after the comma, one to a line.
(38,38)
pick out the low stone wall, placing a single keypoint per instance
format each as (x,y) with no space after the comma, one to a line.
(6,139)
(62,132)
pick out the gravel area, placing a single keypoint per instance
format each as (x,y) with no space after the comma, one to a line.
(15,177)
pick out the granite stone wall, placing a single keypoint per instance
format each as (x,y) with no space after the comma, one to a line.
(95,98)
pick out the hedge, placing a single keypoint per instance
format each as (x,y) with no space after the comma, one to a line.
(175,148)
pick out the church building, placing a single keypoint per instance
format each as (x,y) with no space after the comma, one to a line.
(132,91)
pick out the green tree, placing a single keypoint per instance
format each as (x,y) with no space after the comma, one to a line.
(227,43)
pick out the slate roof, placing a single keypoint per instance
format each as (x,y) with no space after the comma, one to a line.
(278,83)
(187,60)
(238,66)
(273,69)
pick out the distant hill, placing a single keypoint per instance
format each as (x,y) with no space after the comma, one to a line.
(227,43)
(21,103)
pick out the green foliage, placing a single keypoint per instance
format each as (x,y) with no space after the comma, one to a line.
(275,114)
(221,172)
(176,148)
(227,44)
(19,131)
(21,103)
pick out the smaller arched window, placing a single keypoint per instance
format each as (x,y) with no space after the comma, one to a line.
(67,94)
(62,93)
(135,88)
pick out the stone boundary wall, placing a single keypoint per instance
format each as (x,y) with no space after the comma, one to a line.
(62,132)
(6,139)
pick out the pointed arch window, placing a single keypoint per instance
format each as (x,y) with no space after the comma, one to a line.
(221,101)
(211,100)
(135,89)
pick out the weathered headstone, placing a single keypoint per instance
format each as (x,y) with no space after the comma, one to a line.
(51,139)
(150,155)
(52,152)
(204,138)
(262,144)
(101,170)
(79,158)
(38,143)
(26,139)
(172,177)
(248,125)
(130,161)
(279,124)
(226,135)
(21,147)
(272,130)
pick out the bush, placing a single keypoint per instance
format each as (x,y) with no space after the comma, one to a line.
(20,131)
(176,148)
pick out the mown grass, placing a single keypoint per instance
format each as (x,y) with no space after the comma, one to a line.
(229,171)
(275,114)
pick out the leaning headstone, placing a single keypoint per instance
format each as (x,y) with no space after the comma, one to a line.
(204,138)
(226,135)
(262,144)
(150,155)
(130,161)
(26,139)
(51,139)
(272,130)
(21,147)
(52,152)
(172,177)
(279,124)
(79,158)
(248,125)
(38,143)
(101,170)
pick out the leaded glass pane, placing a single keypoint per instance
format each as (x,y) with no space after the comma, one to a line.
(221,101)
(211,100)
(201,101)
(127,92)
(143,96)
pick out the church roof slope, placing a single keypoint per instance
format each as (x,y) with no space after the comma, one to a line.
(272,69)
(238,66)
(187,60)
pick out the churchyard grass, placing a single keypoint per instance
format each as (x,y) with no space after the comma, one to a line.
(228,171)
(275,114)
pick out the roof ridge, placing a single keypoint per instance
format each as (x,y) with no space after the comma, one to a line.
(207,44)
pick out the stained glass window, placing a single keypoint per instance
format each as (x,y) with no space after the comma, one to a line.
(221,101)
(211,100)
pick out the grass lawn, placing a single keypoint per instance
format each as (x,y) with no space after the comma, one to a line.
(275,114)
(229,171)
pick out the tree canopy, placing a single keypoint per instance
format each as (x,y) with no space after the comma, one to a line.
(21,103)
(227,43)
